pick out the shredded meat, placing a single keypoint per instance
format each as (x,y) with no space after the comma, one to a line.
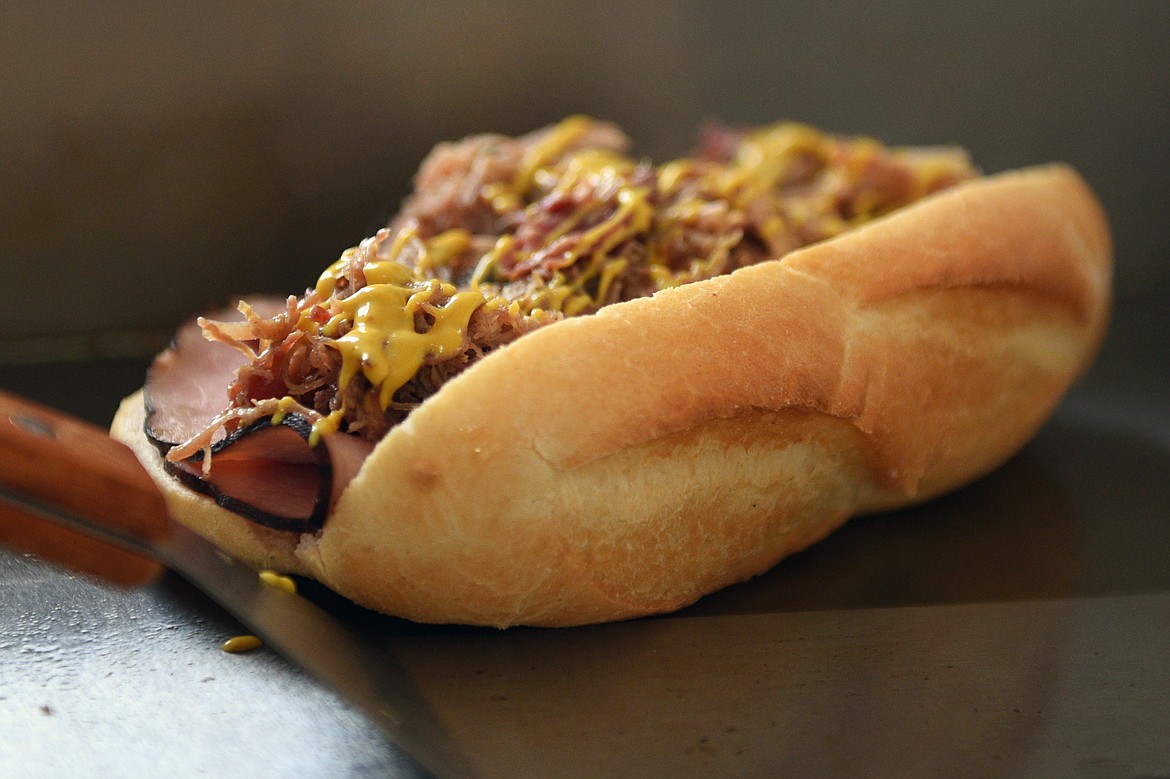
(451,188)
(307,367)
(554,223)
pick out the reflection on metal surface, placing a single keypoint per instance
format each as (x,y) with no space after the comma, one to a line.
(1012,628)
(97,681)
(1016,688)
(133,516)
(32,424)
(1015,628)
(367,676)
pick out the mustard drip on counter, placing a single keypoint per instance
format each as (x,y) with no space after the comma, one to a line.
(240,644)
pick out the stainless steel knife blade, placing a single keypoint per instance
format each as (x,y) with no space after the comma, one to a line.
(44,455)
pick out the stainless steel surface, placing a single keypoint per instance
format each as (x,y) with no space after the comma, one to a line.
(367,677)
(1053,688)
(1018,627)
(100,682)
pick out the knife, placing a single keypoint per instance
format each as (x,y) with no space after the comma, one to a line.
(72,494)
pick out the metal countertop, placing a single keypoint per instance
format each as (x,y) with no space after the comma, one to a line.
(1018,627)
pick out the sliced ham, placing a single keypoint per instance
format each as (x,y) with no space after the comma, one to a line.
(264,470)
(186,385)
(269,472)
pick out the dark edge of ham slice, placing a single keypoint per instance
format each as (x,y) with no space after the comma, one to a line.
(189,472)
(181,399)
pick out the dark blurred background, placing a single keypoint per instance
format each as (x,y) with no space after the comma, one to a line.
(157,157)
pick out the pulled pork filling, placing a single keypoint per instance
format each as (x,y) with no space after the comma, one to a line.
(504,235)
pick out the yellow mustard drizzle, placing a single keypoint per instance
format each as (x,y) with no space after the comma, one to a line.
(600,170)
(326,425)
(763,159)
(283,406)
(632,217)
(487,264)
(374,327)
(509,196)
(383,343)
(327,282)
(439,251)
(550,148)
(866,203)
(765,155)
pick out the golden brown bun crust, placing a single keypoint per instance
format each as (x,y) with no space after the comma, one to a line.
(631,461)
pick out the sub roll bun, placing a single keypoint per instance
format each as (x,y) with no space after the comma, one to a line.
(630,457)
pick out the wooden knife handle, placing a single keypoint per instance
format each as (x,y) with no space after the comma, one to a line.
(52,458)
